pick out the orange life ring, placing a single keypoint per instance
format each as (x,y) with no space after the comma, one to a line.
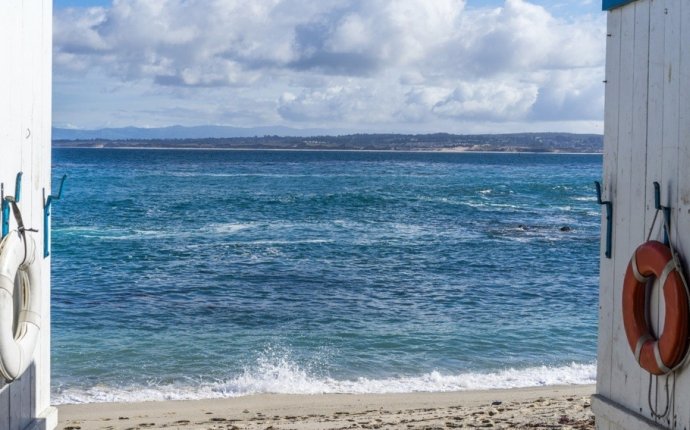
(656,355)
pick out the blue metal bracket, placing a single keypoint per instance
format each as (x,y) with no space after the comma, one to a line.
(47,203)
(665,209)
(6,203)
(609,219)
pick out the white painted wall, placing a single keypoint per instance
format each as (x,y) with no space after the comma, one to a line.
(647,139)
(25,120)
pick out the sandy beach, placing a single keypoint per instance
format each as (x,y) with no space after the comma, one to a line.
(559,407)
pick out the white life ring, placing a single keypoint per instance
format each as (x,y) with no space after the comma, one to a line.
(18,264)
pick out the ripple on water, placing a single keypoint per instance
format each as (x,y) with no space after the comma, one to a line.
(365,272)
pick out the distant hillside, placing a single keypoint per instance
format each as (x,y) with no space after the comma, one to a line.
(518,142)
(180,132)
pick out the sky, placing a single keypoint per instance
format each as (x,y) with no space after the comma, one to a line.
(370,66)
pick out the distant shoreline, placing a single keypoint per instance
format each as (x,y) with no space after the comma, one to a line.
(430,143)
(412,151)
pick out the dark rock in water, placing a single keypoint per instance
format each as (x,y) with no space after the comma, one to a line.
(566,228)
(522,227)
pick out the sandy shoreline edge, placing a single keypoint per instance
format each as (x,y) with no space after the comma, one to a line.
(553,407)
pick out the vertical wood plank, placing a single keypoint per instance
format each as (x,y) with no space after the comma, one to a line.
(655,161)
(21,65)
(41,400)
(27,103)
(604,348)
(671,106)
(682,221)
(625,377)
(669,150)
(27,395)
(4,407)
(16,411)
(637,178)
(5,43)
(15,90)
(31,131)
(14,164)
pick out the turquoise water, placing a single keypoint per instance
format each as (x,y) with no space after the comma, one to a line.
(188,274)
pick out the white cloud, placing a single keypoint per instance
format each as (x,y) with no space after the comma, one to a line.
(361,64)
(570,95)
(488,100)
(344,102)
(519,38)
(326,104)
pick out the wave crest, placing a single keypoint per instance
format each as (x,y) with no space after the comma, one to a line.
(285,377)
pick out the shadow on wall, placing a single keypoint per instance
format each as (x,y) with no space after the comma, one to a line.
(19,399)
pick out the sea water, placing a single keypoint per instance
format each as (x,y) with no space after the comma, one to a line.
(192,274)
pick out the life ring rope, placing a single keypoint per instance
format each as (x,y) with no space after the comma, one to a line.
(636,271)
(30,317)
(659,361)
(640,342)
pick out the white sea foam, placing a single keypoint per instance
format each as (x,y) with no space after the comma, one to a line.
(225,228)
(285,377)
(283,242)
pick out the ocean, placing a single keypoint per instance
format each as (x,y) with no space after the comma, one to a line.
(182,274)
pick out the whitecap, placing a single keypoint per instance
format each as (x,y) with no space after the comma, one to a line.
(285,377)
(226,228)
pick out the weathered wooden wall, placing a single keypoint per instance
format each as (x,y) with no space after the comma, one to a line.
(25,121)
(647,139)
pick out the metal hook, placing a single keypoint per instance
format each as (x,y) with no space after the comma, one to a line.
(609,219)
(665,209)
(6,202)
(47,204)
